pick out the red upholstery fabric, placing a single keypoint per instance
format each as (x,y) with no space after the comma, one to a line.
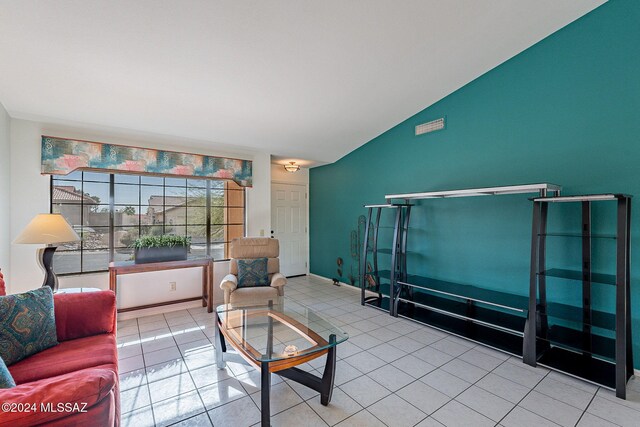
(82,368)
(103,410)
(84,314)
(89,387)
(68,356)
(3,288)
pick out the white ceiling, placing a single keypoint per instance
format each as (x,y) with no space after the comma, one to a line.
(299,78)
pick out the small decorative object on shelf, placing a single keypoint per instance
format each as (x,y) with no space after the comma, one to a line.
(290,350)
(336,281)
(161,248)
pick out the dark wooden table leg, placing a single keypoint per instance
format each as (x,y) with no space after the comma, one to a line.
(265,389)
(205,296)
(329,374)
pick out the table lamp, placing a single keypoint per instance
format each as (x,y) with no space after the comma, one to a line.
(49,229)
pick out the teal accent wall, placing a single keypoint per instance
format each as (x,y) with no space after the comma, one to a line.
(565,111)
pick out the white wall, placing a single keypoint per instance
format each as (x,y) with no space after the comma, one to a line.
(259,197)
(279,174)
(5,191)
(30,195)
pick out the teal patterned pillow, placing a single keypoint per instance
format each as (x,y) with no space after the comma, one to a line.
(27,324)
(6,380)
(252,272)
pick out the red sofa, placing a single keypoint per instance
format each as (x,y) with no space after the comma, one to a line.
(76,382)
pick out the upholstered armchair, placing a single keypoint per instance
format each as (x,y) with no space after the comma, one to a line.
(252,248)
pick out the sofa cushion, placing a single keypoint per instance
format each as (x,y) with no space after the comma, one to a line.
(27,324)
(252,272)
(253,296)
(101,414)
(83,314)
(77,392)
(254,247)
(6,380)
(98,351)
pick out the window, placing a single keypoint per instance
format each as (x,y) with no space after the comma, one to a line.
(110,211)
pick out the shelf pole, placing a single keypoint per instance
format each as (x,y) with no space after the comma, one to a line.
(529,341)
(628,342)
(542,323)
(623,325)
(586,280)
(376,229)
(363,257)
(403,248)
(393,293)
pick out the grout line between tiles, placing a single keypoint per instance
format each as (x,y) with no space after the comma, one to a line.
(524,397)
(336,300)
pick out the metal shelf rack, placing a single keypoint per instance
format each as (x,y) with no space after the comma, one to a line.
(397,252)
(589,343)
(494,318)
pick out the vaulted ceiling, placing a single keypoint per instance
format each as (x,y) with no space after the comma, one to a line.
(298,78)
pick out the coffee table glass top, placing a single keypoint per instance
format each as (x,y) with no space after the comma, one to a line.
(286,329)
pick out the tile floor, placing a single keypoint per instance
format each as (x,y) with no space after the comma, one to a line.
(391,372)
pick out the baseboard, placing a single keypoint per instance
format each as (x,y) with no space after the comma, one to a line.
(158,310)
(347,285)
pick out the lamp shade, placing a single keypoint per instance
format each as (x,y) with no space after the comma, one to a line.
(47,229)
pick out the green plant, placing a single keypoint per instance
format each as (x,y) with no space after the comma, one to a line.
(161,241)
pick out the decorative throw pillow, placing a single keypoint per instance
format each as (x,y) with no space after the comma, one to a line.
(6,380)
(27,324)
(252,272)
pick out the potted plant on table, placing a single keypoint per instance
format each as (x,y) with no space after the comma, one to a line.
(161,248)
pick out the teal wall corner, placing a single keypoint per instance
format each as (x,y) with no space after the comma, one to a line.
(565,111)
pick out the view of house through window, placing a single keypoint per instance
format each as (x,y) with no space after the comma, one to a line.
(110,211)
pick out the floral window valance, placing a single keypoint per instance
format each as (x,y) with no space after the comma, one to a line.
(62,156)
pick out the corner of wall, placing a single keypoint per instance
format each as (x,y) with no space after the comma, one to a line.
(5,193)
(259,197)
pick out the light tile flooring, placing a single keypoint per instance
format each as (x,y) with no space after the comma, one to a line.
(390,372)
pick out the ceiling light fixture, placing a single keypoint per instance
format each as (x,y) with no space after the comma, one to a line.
(292,167)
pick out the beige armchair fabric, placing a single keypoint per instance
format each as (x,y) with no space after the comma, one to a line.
(253,247)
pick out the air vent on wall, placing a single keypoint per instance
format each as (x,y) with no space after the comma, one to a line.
(431,126)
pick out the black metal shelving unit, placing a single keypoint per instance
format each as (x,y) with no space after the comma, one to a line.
(580,340)
(494,318)
(383,281)
(497,319)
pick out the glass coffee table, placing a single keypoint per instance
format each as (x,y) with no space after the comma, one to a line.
(276,338)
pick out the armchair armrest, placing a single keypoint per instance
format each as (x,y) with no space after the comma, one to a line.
(84,314)
(229,283)
(36,403)
(278,280)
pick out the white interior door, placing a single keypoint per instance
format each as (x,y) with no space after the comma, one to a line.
(289,226)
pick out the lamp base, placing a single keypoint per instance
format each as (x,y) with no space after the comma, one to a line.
(45,260)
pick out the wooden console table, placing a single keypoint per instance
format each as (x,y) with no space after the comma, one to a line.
(129,267)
